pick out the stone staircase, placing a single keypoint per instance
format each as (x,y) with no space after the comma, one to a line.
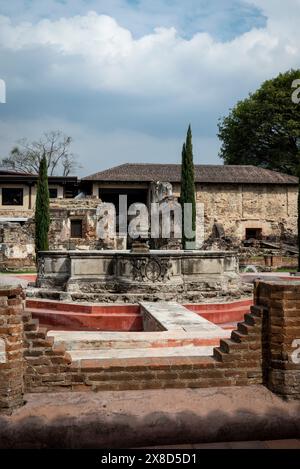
(180,333)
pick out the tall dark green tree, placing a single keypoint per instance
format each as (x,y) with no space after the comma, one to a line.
(264,129)
(188,186)
(42,216)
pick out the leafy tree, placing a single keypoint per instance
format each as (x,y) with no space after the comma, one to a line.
(54,145)
(42,216)
(188,184)
(264,129)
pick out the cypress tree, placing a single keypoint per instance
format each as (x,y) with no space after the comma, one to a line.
(42,216)
(188,183)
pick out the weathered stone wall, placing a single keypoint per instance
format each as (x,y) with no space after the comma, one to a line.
(273,208)
(17,245)
(11,349)
(62,211)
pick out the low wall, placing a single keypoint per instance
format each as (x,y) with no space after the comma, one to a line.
(125,276)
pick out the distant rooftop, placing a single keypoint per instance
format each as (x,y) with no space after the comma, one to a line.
(147,172)
(10,175)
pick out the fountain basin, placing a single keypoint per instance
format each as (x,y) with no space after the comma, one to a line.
(110,276)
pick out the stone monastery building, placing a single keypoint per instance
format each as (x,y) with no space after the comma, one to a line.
(249,202)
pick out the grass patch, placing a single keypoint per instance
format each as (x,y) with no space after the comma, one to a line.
(286,269)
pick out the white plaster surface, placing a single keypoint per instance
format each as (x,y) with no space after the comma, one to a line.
(190,351)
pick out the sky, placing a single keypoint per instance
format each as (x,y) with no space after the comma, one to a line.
(124,78)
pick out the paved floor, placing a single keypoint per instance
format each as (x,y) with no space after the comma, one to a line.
(7,279)
(151,418)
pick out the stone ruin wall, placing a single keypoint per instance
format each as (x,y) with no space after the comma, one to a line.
(17,246)
(17,249)
(273,208)
(62,211)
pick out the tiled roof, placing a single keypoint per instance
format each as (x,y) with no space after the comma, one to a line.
(132,172)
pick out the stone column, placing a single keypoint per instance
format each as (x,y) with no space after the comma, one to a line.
(281,335)
(11,348)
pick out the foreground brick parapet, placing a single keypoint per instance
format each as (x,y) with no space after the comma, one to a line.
(11,349)
(260,351)
(280,303)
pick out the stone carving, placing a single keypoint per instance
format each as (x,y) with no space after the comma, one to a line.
(152,269)
(161,191)
(41,267)
(218,231)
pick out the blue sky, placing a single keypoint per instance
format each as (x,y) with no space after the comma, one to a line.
(125,77)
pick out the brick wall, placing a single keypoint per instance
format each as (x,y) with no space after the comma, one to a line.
(237,362)
(281,305)
(11,349)
(46,366)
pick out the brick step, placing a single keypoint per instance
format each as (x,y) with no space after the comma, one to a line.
(127,340)
(80,356)
(63,320)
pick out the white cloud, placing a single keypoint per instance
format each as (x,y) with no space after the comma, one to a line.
(105,56)
(161,76)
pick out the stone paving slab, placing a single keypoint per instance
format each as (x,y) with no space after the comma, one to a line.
(175,317)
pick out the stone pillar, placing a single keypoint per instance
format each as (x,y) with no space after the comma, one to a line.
(281,335)
(11,349)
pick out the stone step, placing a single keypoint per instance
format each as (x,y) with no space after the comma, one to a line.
(79,356)
(127,340)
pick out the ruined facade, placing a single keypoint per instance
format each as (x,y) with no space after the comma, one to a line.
(243,202)
(249,202)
